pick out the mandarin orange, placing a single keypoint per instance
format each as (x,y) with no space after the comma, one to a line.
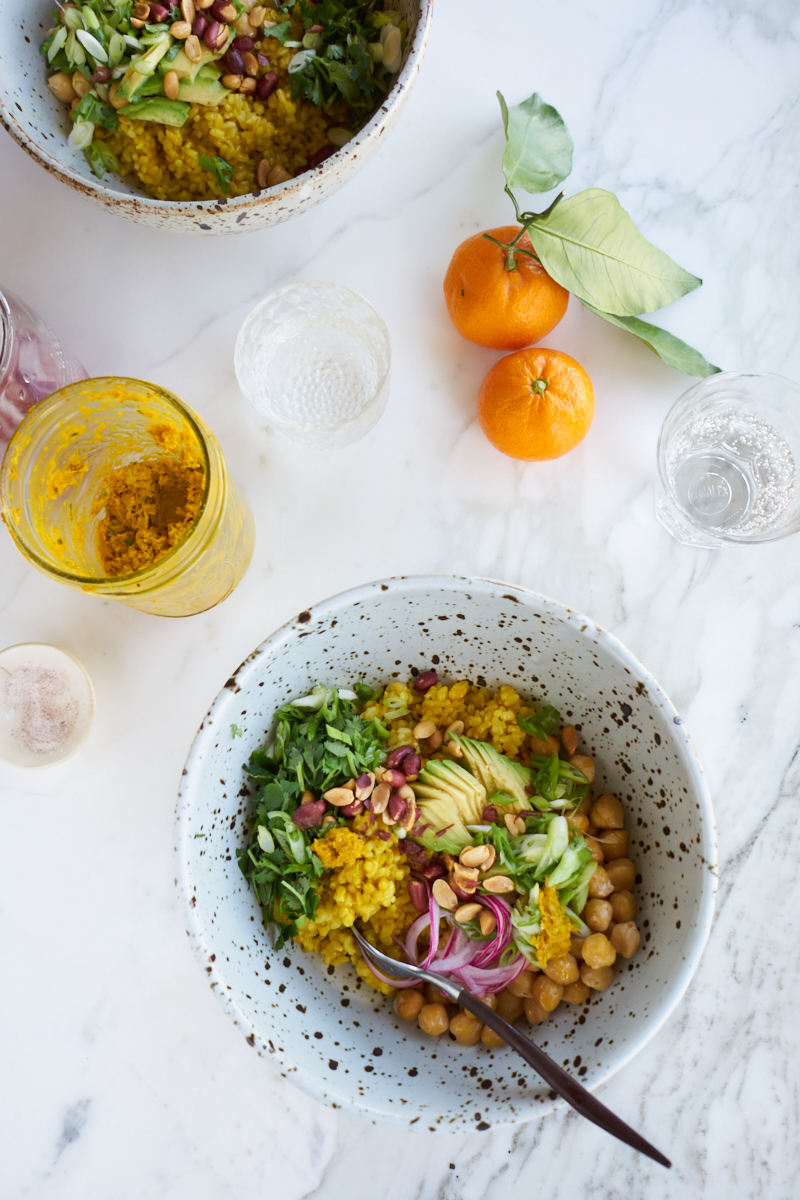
(536,404)
(496,307)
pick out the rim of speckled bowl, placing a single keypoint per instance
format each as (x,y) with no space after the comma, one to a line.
(583,625)
(209,208)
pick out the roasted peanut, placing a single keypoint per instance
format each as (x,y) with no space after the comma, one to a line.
(569,739)
(487,922)
(497,884)
(444,895)
(467,912)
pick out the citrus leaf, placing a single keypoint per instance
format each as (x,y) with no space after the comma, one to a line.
(671,349)
(538,153)
(591,246)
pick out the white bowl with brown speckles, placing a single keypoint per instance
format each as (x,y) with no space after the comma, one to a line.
(40,123)
(323,1029)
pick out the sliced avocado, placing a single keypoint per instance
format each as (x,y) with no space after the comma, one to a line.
(206,89)
(496,772)
(133,80)
(158,109)
(184,67)
(154,86)
(449,799)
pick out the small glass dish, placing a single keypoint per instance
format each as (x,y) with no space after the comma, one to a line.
(314,359)
(727,461)
(46,705)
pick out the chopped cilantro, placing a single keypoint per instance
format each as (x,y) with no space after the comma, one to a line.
(219,168)
(236,731)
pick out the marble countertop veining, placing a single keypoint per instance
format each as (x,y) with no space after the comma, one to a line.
(121,1076)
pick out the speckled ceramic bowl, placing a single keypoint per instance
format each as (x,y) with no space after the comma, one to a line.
(40,123)
(338,1039)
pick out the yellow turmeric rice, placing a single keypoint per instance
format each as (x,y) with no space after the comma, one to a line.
(242,130)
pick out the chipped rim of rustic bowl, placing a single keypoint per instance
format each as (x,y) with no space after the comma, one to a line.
(269,206)
(582,625)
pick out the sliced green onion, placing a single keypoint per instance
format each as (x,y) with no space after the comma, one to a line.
(57,43)
(82,134)
(72,18)
(74,50)
(116,48)
(90,43)
(89,19)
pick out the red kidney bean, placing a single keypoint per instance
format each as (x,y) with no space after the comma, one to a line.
(243,43)
(460,893)
(101,75)
(397,779)
(489,814)
(157,15)
(352,810)
(418,893)
(363,781)
(397,807)
(266,85)
(425,680)
(411,764)
(382,834)
(308,815)
(320,157)
(395,757)
(216,35)
(263,61)
(316,29)
(199,25)
(433,870)
(233,63)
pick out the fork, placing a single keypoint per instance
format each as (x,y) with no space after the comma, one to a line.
(558,1079)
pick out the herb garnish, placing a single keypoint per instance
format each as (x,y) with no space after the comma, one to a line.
(219,168)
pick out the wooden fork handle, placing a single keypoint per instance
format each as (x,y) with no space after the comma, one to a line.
(559,1080)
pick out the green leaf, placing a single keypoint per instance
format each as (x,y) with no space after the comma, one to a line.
(236,731)
(591,246)
(90,108)
(219,168)
(539,724)
(101,158)
(283,32)
(538,153)
(671,349)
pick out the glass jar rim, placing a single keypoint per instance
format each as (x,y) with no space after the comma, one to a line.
(144,574)
(6,336)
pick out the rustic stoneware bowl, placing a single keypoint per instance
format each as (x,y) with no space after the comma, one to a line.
(40,123)
(323,1029)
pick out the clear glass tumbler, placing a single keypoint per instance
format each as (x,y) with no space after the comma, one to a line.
(53,480)
(728,455)
(314,359)
(33,363)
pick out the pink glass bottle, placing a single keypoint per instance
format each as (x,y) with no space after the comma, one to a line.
(33,363)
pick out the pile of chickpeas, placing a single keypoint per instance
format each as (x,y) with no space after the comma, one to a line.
(589,966)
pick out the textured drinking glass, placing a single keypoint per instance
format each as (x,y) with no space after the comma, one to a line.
(727,461)
(314,359)
(33,363)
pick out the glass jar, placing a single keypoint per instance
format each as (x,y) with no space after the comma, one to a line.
(33,363)
(55,474)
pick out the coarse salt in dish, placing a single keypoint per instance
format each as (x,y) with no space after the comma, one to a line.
(46,705)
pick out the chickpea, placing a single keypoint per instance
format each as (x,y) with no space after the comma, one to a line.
(584,764)
(622,874)
(490,1002)
(466,1028)
(545,746)
(600,884)
(597,915)
(562,970)
(595,849)
(60,85)
(608,813)
(534,1013)
(509,1006)
(547,993)
(585,806)
(578,821)
(624,906)
(435,995)
(597,978)
(626,939)
(408,1004)
(569,739)
(491,1039)
(576,993)
(576,945)
(614,844)
(81,84)
(598,951)
(433,1019)
(522,985)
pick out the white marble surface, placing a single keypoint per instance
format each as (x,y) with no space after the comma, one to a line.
(121,1076)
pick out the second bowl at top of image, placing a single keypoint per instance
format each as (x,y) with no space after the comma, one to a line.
(187,61)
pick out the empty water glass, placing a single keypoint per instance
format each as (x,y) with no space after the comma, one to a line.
(314,359)
(727,461)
